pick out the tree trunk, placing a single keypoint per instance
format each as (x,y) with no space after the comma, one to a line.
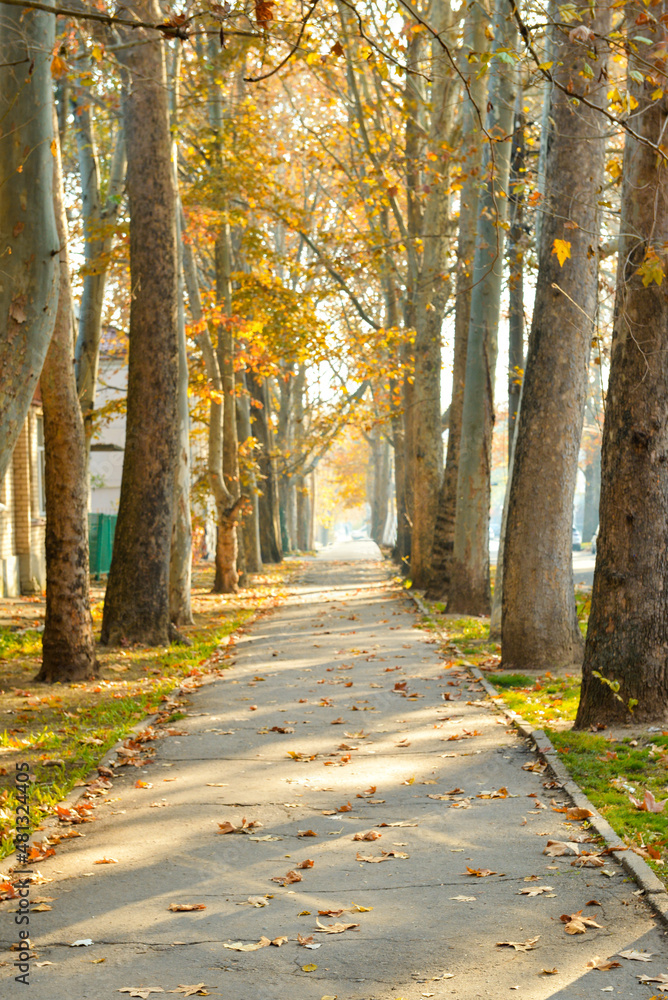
(251,518)
(68,644)
(426,441)
(516,272)
(28,236)
(98,240)
(270,527)
(627,640)
(136,608)
(469,590)
(444,528)
(539,623)
(592,496)
(180,556)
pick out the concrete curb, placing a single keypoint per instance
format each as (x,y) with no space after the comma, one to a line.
(655,892)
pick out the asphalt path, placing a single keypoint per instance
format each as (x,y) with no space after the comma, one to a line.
(339,719)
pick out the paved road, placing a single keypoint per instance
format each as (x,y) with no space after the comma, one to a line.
(363,548)
(340,717)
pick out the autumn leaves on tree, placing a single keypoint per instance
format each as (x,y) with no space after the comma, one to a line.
(292,220)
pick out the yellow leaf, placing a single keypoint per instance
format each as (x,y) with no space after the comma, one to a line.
(562,248)
(309,968)
(58,67)
(53,147)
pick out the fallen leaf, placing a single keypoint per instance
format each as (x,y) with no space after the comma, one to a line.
(106,861)
(331,913)
(479,872)
(649,803)
(40,908)
(528,945)
(550,972)
(264,942)
(464,899)
(343,809)
(557,848)
(401,822)
(307,863)
(575,923)
(82,943)
(335,928)
(304,940)
(536,890)
(277,942)
(573,812)
(288,878)
(370,835)
(309,968)
(185,907)
(256,901)
(306,833)
(662,980)
(636,956)
(191,991)
(141,991)
(370,791)
(600,966)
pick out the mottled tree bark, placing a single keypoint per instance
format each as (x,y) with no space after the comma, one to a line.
(28,237)
(136,608)
(444,527)
(270,528)
(98,239)
(68,644)
(539,623)
(626,655)
(469,590)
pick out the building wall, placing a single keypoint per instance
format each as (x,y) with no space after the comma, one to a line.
(22,521)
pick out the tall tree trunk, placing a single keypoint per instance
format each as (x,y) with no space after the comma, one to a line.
(627,640)
(28,236)
(469,590)
(136,608)
(68,644)
(516,272)
(444,527)
(180,556)
(426,441)
(98,240)
(592,496)
(269,522)
(250,523)
(539,626)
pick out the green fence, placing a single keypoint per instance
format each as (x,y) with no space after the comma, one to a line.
(101,530)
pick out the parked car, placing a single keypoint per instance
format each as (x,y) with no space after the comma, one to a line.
(594,540)
(577,540)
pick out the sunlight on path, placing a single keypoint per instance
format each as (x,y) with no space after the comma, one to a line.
(354,549)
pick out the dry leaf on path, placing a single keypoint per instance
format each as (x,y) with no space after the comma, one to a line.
(288,878)
(106,861)
(557,848)
(191,991)
(141,991)
(246,826)
(662,980)
(304,940)
(528,945)
(535,765)
(370,791)
(277,942)
(573,812)
(185,907)
(264,942)
(343,809)
(335,928)
(331,913)
(307,863)
(462,804)
(401,822)
(306,833)
(550,972)
(478,872)
(636,956)
(376,859)
(464,899)
(601,966)
(309,968)
(370,835)
(575,923)
(536,890)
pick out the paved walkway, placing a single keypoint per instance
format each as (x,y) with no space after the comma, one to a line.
(342,718)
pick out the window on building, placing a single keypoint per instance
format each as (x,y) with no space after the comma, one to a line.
(41,479)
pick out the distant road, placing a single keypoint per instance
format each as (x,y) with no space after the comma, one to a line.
(583,563)
(353,548)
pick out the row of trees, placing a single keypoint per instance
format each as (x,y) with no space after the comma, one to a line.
(316,198)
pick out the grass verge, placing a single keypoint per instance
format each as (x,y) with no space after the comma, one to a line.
(610,766)
(63,730)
